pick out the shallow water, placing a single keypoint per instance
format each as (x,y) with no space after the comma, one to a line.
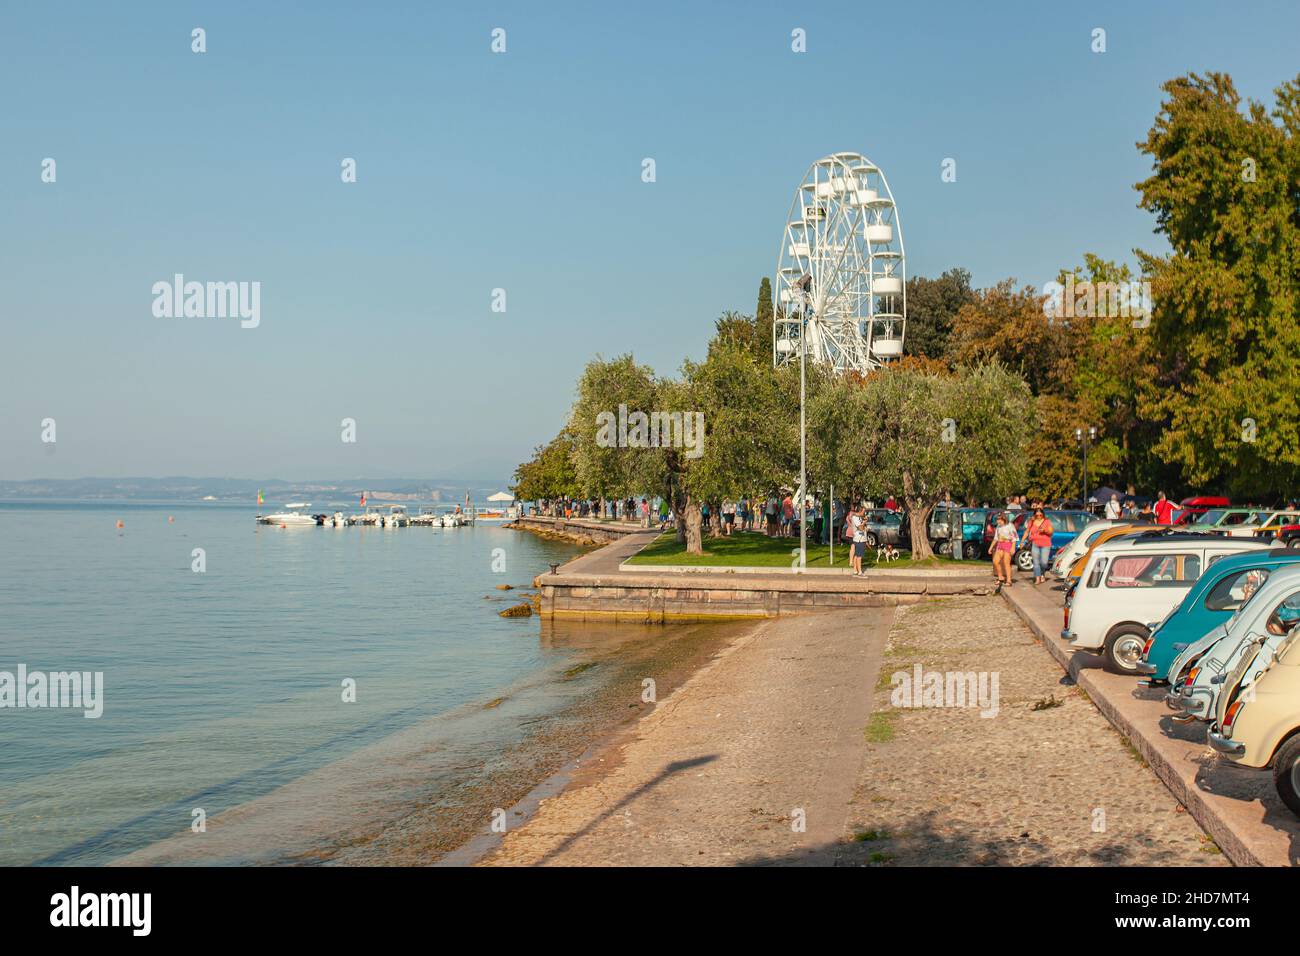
(224,689)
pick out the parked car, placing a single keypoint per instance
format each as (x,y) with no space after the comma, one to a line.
(883,526)
(1218,593)
(1223,518)
(1265,523)
(1135,580)
(1191,509)
(1259,726)
(1260,625)
(972,530)
(1289,535)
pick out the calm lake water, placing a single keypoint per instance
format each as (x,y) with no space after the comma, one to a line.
(223,689)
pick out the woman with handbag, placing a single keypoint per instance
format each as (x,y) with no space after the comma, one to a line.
(1040,543)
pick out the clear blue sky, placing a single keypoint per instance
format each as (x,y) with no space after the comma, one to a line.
(519,171)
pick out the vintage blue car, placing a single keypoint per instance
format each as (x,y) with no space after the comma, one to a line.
(1217,594)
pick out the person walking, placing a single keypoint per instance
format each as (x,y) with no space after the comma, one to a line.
(787,516)
(1164,509)
(1040,543)
(1112,508)
(728,516)
(1002,547)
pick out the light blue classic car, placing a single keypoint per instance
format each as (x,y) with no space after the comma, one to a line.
(1220,590)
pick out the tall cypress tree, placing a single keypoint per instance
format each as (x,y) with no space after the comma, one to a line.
(763,317)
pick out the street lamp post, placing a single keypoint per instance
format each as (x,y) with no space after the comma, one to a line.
(803,442)
(1083,437)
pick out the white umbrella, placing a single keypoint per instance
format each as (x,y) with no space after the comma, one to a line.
(501,496)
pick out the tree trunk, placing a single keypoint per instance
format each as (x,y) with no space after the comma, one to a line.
(918,519)
(692,522)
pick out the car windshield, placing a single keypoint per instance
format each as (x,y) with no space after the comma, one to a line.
(1256,517)
(1214,516)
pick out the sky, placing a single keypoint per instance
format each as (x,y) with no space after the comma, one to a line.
(520,171)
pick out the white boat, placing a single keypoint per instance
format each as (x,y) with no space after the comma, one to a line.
(285,519)
(397,516)
(427,517)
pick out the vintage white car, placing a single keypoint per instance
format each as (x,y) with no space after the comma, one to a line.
(1257,720)
(1131,583)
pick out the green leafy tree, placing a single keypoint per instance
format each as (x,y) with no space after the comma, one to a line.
(608,460)
(1225,191)
(550,473)
(921,435)
(763,320)
(932,307)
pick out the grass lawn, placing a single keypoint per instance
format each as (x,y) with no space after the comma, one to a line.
(750,549)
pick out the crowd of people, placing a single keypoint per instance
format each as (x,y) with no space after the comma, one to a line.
(780,516)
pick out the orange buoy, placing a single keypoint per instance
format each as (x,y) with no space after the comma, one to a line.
(282,524)
(120,523)
(170,519)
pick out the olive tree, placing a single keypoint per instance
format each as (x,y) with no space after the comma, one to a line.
(920,434)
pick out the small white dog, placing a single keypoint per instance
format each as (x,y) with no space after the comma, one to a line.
(886,552)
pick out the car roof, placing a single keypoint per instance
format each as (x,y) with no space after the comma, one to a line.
(1253,559)
(1177,540)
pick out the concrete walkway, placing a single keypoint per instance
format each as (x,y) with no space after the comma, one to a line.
(1237,806)
(754,760)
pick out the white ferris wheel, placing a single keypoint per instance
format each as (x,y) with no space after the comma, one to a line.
(841,274)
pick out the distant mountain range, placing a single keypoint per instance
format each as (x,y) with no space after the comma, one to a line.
(273,490)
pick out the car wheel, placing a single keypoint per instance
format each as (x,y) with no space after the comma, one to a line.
(870,540)
(1286,774)
(1123,648)
(1294,543)
(970,550)
(1025,561)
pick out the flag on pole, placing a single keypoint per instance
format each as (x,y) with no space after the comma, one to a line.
(363,499)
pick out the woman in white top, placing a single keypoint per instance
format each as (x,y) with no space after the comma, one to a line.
(1004,544)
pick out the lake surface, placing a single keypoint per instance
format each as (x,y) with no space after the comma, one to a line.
(223,689)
